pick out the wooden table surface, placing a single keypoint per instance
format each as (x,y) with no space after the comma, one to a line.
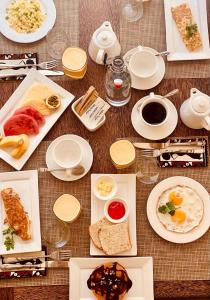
(92,14)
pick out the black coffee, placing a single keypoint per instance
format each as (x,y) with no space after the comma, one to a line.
(154,113)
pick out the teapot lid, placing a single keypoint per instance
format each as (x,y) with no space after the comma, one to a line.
(105,38)
(201,103)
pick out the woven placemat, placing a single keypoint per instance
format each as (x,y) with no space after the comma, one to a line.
(150,31)
(67,20)
(171,262)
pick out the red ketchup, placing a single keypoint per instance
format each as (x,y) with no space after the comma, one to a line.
(116,210)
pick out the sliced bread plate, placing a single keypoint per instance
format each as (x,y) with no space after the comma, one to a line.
(175,45)
(139,269)
(179,237)
(126,191)
(25,184)
(15,101)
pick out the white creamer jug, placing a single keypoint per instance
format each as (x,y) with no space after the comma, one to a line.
(195,111)
(104,44)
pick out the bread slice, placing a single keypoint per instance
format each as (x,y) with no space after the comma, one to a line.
(115,239)
(94,231)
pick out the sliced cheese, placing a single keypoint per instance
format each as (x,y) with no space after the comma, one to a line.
(122,154)
(67,208)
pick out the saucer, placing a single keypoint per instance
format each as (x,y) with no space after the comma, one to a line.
(154,133)
(146,83)
(86,162)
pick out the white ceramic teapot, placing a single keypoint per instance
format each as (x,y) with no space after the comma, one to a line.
(195,111)
(104,44)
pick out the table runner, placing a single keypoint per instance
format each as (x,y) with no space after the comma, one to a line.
(150,31)
(171,262)
(67,20)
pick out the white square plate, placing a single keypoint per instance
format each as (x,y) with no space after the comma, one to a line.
(14,102)
(175,45)
(140,271)
(126,191)
(25,183)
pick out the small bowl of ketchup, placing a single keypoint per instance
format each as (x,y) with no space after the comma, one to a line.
(116,210)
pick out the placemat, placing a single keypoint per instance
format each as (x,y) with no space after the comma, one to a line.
(67,20)
(171,261)
(150,31)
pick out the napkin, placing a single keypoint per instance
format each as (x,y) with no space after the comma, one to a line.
(185,160)
(17,59)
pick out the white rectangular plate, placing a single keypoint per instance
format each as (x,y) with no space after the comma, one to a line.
(140,271)
(25,183)
(175,45)
(14,102)
(126,191)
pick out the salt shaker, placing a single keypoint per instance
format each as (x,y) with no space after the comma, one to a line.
(118,83)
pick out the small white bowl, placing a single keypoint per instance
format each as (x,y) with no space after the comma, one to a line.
(108,216)
(111,194)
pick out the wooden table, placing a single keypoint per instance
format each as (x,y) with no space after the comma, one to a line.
(92,14)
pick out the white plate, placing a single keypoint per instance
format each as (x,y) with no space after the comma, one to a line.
(175,45)
(175,237)
(139,269)
(15,101)
(126,184)
(25,183)
(154,133)
(142,83)
(48,7)
(86,162)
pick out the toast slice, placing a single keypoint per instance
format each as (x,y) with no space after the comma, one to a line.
(94,231)
(115,239)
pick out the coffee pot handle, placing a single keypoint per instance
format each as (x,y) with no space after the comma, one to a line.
(100,56)
(206,123)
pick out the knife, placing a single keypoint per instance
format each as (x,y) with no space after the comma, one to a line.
(47,264)
(24,72)
(187,145)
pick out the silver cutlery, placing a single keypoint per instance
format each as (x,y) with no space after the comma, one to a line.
(44,65)
(24,72)
(55,255)
(166,145)
(164,53)
(47,264)
(157,153)
(79,170)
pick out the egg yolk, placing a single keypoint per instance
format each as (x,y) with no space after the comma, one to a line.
(175,198)
(179,216)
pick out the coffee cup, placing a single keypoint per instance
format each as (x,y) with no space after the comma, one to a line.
(143,63)
(153,111)
(67,154)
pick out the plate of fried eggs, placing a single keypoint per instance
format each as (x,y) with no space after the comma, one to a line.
(178,209)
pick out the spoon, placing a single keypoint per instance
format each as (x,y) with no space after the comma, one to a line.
(162,53)
(76,171)
(171,93)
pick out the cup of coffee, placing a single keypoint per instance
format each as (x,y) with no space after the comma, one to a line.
(67,154)
(143,63)
(153,111)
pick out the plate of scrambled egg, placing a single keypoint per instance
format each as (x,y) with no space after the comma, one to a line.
(26,21)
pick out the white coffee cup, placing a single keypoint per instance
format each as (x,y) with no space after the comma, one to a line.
(152,98)
(67,154)
(143,63)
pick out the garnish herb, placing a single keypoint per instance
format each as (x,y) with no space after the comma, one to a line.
(168,208)
(191,30)
(9,242)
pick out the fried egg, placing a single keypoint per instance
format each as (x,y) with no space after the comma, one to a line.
(188,209)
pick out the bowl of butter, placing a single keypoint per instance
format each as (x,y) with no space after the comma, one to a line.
(105,187)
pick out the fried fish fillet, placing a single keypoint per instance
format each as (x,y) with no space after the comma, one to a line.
(16,216)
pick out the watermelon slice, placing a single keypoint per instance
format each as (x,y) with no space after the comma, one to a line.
(32,112)
(21,124)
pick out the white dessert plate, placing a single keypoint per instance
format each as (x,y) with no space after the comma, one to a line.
(175,45)
(15,102)
(143,83)
(139,269)
(154,133)
(48,7)
(86,162)
(25,184)
(126,190)
(171,236)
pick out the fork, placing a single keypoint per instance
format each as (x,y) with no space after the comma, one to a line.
(46,65)
(157,153)
(55,255)
(165,145)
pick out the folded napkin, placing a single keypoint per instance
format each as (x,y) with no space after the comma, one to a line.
(185,160)
(24,58)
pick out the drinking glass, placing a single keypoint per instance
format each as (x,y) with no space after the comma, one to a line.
(132,10)
(57,43)
(147,170)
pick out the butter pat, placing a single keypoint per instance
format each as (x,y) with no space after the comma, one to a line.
(122,154)
(104,187)
(67,208)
